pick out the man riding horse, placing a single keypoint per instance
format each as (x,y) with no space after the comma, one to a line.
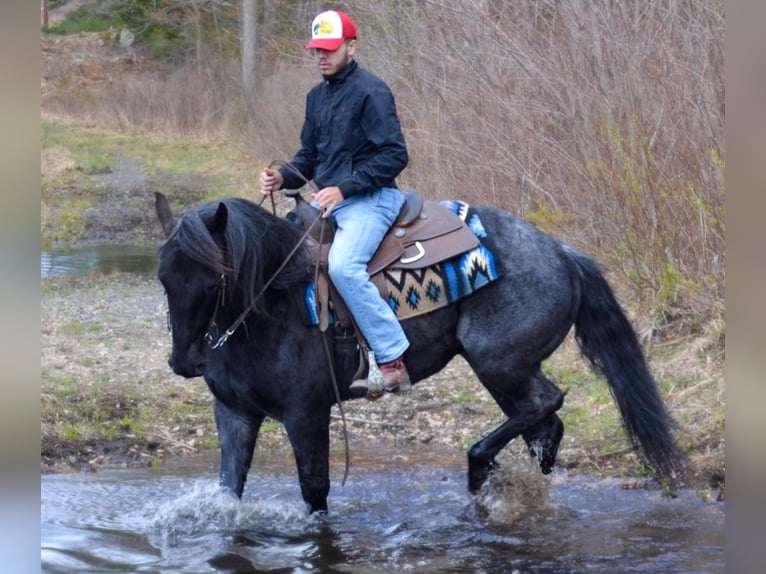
(353,148)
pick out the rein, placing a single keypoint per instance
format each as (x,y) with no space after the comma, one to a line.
(238,322)
(230,331)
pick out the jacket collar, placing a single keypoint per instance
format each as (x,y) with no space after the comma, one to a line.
(341,76)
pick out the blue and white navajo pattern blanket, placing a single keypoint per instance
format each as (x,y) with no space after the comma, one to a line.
(413,292)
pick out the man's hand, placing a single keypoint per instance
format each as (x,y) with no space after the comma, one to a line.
(271,180)
(328,198)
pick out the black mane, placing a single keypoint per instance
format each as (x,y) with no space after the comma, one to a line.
(253,245)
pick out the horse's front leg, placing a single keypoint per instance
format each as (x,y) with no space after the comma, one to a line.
(309,433)
(236,434)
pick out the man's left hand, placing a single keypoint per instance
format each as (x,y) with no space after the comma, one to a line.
(327,198)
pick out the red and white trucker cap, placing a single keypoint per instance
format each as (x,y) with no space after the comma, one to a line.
(330,29)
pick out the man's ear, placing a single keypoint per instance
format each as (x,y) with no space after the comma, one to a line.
(352,46)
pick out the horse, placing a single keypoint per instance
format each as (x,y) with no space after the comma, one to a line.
(231,262)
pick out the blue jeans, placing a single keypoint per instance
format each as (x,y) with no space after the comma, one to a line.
(362,222)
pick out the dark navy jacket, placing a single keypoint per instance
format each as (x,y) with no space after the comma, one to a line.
(351,136)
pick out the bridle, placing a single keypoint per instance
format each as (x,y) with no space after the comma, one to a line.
(220,299)
(220,341)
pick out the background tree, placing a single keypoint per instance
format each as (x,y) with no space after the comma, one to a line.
(249,45)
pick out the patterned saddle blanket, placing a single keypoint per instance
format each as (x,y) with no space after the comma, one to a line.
(413,291)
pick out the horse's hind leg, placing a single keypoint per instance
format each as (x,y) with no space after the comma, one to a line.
(543,440)
(531,413)
(544,437)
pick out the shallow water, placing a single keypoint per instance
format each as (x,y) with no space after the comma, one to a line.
(79,261)
(391,516)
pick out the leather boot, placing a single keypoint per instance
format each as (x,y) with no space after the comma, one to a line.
(391,377)
(395,375)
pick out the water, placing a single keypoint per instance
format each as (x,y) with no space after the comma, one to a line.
(106,259)
(392,516)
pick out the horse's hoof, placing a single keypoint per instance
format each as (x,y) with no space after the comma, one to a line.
(478,474)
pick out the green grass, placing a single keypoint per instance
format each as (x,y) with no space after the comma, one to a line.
(186,171)
(86,19)
(208,441)
(65,221)
(77,328)
(464,443)
(92,149)
(469,397)
(63,386)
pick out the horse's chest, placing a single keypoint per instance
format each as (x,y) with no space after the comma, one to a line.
(237,394)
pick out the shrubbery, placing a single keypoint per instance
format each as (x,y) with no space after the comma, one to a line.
(601,122)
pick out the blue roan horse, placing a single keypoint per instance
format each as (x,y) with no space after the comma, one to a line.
(218,258)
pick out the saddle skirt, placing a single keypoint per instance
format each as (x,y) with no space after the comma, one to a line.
(431,257)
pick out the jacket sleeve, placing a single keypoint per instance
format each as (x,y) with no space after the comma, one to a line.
(387,154)
(305,159)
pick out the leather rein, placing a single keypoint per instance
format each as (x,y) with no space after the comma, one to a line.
(220,302)
(217,344)
(239,320)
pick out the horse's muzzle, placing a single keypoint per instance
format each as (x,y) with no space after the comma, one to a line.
(189,368)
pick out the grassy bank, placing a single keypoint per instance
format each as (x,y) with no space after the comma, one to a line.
(98,181)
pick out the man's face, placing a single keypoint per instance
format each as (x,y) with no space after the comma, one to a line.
(330,63)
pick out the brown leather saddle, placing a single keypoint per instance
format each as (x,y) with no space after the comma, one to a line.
(425,233)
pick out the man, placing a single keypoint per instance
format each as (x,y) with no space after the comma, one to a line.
(353,148)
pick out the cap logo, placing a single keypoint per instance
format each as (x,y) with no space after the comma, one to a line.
(327,26)
(329,30)
(324,29)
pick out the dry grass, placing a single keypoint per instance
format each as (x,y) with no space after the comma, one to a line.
(600,122)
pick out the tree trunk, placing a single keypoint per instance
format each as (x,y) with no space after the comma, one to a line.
(249,46)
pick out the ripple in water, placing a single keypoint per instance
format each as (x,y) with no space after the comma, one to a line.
(384,520)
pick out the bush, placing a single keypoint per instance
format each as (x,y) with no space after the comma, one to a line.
(598,121)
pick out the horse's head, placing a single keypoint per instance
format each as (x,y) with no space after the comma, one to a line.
(192,271)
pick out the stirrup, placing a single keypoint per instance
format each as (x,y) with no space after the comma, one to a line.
(360,388)
(373,387)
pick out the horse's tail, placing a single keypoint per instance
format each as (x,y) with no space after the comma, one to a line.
(608,340)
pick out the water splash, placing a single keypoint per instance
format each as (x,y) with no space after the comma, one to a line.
(207,508)
(513,495)
(385,520)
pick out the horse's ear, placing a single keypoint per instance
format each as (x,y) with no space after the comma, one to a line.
(164,213)
(220,219)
